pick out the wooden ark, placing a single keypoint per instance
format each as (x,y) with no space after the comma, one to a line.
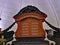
(30,27)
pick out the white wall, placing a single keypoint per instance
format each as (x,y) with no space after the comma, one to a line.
(8,8)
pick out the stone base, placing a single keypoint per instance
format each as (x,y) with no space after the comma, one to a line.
(30,41)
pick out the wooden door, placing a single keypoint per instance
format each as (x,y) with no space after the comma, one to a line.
(30,27)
